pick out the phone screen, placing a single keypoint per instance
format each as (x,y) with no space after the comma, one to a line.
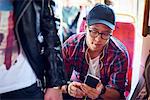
(91,80)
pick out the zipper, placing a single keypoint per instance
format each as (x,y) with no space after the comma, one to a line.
(17,22)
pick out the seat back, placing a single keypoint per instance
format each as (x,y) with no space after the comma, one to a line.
(125,32)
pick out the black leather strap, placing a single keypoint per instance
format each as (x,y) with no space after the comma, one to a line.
(103,90)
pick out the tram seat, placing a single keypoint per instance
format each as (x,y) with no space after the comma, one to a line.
(125,32)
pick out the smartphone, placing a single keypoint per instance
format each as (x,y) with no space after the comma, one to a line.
(91,80)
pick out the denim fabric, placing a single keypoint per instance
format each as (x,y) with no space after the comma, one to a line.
(29,93)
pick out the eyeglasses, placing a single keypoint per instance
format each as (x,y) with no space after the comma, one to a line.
(104,35)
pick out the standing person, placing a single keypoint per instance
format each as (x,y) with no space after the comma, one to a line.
(70,14)
(29,57)
(98,53)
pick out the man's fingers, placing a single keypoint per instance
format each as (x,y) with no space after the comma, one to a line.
(76,84)
(75,91)
(90,92)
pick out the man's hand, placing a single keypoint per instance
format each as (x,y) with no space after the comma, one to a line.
(92,92)
(75,91)
(53,94)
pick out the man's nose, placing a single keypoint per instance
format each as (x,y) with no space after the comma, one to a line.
(99,37)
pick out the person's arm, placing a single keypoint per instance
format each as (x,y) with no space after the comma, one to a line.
(53,94)
(110,93)
(116,86)
(54,71)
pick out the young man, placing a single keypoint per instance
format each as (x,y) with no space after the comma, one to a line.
(28,56)
(98,53)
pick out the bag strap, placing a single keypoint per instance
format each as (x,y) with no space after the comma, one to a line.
(147,75)
(42,10)
(75,20)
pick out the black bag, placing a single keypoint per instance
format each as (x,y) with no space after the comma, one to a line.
(142,90)
(147,75)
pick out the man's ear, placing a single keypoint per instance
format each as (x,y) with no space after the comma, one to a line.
(112,32)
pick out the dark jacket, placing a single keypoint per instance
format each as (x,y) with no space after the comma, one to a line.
(31,18)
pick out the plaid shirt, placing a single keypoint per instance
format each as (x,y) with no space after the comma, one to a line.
(115,61)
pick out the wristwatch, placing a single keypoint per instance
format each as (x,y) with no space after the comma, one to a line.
(68,82)
(57,87)
(103,90)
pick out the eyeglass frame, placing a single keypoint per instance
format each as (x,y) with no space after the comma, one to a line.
(99,33)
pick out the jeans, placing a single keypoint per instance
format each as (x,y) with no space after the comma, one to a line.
(29,93)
